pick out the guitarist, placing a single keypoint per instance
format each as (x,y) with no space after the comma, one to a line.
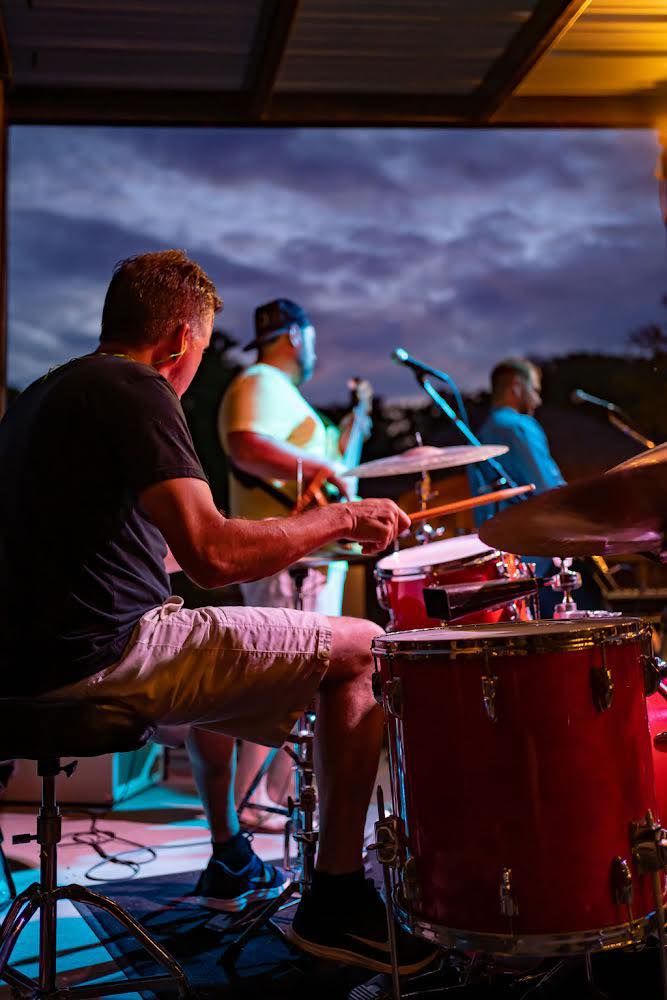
(265,425)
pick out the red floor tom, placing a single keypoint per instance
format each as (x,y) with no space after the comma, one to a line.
(520,757)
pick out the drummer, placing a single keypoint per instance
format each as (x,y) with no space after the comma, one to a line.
(265,425)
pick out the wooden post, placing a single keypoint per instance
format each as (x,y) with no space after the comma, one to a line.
(3,247)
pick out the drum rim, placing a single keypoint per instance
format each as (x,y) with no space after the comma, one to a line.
(604,633)
(418,572)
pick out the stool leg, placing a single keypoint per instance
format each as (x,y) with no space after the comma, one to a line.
(81,894)
(48,835)
(18,916)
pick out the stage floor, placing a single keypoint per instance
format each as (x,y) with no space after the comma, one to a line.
(167,818)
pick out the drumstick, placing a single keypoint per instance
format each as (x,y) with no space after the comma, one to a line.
(458,505)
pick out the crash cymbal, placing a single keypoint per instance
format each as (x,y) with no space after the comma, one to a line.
(425,458)
(469,503)
(624,510)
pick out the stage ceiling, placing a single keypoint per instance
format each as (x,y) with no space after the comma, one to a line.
(336,62)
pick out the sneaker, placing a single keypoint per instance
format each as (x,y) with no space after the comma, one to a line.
(220,888)
(356,934)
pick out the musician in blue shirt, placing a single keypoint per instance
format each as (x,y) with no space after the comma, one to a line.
(515,395)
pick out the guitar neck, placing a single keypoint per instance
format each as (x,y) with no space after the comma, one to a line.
(355,441)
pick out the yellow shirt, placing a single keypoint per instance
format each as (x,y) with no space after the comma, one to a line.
(264,400)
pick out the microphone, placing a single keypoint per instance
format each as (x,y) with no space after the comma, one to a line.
(401,357)
(579,396)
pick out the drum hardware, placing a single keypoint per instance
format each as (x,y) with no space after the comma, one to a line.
(426,532)
(508,904)
(649,850)
(602,685)
(451,602)
(302,829)
(621,883)
(393,692)
(489,686)
(567,580)
(655,672)
(390,846)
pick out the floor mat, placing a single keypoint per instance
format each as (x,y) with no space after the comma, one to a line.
(268,967)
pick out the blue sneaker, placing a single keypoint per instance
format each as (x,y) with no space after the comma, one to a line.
(221,888)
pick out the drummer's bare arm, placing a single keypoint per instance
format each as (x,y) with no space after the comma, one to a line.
(268,458)
(214,550)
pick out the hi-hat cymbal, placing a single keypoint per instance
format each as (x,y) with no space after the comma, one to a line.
(425,458)
(623,510)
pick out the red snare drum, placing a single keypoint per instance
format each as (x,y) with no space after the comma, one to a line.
(519,758)
(402,576)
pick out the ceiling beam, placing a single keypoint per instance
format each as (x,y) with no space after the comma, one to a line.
(644,111)
(275,25)
(340,109)
(5,53)
(549,20)
(106,106)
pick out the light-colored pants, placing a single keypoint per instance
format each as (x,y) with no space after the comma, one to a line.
(322,590)
(247,672)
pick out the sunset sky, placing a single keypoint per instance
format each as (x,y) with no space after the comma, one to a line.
(460,245)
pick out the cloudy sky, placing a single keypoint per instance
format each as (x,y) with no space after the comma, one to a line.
(461,246)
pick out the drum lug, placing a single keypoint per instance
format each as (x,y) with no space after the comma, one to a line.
(655,671)
(393,692)
(649,844)
(489,686)
(621,881)
(502,568)
(602,685)
(377,686)
(508,903)
(409,881)
(389,841)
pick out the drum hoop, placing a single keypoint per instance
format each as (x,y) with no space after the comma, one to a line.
(418,572)
(618,633)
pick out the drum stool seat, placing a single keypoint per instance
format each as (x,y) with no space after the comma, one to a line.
(45,731)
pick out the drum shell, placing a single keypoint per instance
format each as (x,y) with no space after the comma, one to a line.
(548,790)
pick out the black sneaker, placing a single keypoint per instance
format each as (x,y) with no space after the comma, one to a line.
(356,934)
(220,888)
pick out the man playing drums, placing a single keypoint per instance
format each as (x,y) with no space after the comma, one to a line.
(98,473)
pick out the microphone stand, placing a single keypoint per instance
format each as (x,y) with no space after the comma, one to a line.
(632,432)
(503,478)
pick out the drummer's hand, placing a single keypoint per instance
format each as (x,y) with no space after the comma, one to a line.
(376,523)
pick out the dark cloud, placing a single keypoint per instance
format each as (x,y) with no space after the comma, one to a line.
(461,246)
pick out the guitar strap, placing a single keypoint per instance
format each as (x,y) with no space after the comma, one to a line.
(250,482)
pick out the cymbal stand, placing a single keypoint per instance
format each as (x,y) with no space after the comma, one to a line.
(426,532)
(567,580)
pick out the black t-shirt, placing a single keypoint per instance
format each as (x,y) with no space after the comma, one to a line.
(80,562)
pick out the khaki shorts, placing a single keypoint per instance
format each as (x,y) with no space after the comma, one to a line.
(247,672)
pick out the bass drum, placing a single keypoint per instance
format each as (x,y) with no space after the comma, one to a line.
(519,759)
(402,576)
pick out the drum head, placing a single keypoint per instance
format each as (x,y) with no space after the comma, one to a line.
(537,636)
(446,551)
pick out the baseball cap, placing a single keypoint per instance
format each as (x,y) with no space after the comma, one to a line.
(274,318)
